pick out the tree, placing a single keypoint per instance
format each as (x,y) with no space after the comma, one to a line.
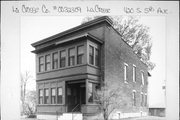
(111,97)
(30,103)
(134,33)
(24,79)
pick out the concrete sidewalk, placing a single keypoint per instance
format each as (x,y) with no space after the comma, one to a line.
(146,118)
(139,118)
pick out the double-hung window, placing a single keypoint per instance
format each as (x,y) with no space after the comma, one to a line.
(47,62)
(97,57)
(142,99)
(53,95)
(90,92)
(41,64)
(46,96)
(125,72)
(91,55)
(71,56)
(55,60)
(59,95)
(142,77)
(134,98)
(40,96)
(62,58)
(80,54)
(134,73)
(145,100)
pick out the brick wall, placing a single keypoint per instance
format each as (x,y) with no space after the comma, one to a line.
(117,52)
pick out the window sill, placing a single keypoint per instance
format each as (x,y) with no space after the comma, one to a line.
(97,67)
(68,67)
(126,82)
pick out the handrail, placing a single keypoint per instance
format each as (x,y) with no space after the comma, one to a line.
(75,107)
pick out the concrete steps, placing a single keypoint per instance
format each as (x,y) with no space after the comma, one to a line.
(71,116)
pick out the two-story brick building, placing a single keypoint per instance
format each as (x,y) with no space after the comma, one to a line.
(71,65)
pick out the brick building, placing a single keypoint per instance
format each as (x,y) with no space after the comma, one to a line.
(70,65)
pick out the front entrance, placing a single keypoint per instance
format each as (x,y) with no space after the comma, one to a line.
(76,96)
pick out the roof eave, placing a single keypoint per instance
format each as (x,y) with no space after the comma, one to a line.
(68,40)
(75,29)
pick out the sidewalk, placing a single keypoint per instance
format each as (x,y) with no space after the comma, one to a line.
(146,118)
(139,118)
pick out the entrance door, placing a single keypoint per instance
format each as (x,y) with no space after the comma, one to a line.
(75,96)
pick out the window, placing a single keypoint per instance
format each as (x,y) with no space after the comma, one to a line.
(55,60)
(142,77)
(95,89)
(71,56)
(40,96)
(46,96)
(47,63)
(90,92)
(62,58)
(96,57)
(134,98)
(53,95)
(134,73)
(125,72)
(59,95)
(145,100)
(80,53)
(41,64)
(142,99)
(91,55)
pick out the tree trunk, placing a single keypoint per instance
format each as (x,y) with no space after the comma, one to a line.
(105,115)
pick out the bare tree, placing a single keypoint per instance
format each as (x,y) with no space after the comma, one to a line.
(24,79)
(30,103)
(111,97)
(134,33)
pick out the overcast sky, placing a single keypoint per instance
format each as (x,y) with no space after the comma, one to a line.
(35,28)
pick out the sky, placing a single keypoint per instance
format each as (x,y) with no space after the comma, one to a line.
(35,28)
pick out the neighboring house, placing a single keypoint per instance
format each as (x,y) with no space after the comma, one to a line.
(157,110)
(72,64)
